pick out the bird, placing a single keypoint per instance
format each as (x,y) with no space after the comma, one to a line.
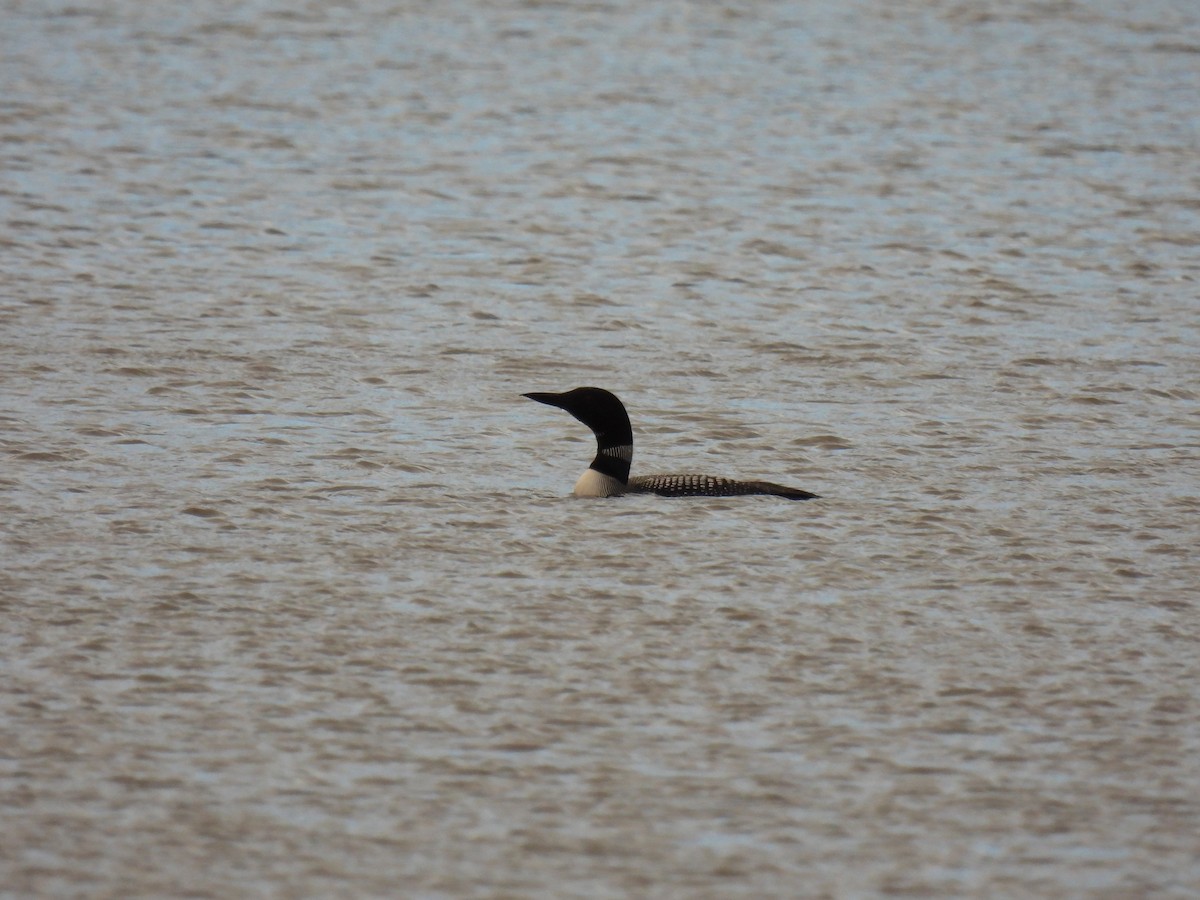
(608,475)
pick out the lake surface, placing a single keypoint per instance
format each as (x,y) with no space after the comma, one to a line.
(296,601)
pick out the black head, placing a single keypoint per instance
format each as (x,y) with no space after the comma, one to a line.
(602,412)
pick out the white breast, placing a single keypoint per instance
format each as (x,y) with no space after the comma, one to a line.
(596,484)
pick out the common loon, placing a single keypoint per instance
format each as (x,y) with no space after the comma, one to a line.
(608,475)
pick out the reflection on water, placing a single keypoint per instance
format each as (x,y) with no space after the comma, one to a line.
(297,602)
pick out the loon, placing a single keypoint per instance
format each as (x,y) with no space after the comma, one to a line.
(608,475)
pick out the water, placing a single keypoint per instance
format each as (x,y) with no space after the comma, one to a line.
(296,602)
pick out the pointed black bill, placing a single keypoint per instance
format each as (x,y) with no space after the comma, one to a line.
(548,399)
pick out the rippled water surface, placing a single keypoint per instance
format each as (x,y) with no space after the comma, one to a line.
(296,601)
